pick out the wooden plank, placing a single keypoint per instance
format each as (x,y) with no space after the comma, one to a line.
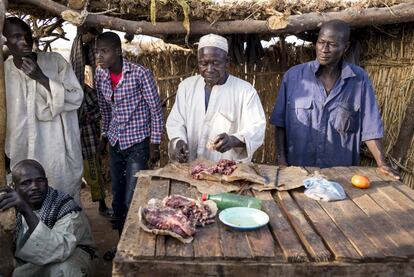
(350,219)
(262,244)
(134,242)
(337,242)
(310,239)
(409,192)
(396,243)
(399,215)
(159,189)
(356,226)
(282,230)
(401,238)
(207,240)
(234,244)
(173,247)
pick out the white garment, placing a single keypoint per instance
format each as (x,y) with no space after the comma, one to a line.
(234,108)
(43,125)
(54,252)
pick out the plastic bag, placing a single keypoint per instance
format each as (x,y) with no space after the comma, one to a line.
(319,188)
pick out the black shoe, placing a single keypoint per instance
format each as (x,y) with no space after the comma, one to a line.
(109,255)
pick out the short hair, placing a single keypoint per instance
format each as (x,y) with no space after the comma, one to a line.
(111,38)
(339,26)
(16,170)
(16,21)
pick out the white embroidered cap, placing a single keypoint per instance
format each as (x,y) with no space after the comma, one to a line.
(213,40)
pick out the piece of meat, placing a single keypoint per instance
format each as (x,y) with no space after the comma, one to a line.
(198,169)
(224,166)
(197,213)
(178,201)
(169,219)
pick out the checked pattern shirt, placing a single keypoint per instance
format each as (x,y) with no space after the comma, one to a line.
(132,111)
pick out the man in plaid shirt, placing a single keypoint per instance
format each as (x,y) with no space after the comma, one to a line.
(132,119)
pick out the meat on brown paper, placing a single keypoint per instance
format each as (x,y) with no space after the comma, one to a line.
(176,216)
(182,172)
(262,177)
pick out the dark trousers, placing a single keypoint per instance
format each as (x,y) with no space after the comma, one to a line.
(124,164)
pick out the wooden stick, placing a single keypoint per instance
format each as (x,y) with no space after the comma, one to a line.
(8,217)
(292,24)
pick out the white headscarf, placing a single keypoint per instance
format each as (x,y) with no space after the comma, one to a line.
(212,40)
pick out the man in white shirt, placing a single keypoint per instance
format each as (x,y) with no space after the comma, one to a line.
(43,95)
(53,236)
(215,109)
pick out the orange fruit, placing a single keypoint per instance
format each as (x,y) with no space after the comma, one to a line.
(360,181)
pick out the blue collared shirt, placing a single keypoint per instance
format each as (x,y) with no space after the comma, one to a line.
(326,130)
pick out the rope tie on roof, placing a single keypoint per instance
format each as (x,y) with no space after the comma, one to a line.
(76,18)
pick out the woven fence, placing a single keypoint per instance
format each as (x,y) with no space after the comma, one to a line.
(387,55)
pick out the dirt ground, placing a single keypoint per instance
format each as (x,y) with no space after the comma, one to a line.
(105,237)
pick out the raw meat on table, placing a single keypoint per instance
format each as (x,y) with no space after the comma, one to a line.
(223,166)
(177,214)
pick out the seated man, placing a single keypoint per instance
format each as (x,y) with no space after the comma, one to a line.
(326,108)
(215,108)
(53,237)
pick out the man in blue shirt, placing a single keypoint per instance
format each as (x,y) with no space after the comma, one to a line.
(326,108)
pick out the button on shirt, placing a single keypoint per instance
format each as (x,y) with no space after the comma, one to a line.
(135,112)
(326,130)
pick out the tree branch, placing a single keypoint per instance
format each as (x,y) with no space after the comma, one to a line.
(293,24)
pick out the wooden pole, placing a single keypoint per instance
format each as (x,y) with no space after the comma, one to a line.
(293,24)
(8,217)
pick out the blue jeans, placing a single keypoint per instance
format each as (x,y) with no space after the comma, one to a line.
(124,164)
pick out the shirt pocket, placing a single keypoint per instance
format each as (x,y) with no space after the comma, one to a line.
(345,118)
(301,111)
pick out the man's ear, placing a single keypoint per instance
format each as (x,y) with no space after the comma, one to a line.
(118,51)
(347,45)
(227,61)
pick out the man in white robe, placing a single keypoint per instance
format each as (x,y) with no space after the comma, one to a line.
(215,109)
(43,95)
(53,235)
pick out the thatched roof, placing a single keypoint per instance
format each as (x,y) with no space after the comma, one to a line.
(167,10)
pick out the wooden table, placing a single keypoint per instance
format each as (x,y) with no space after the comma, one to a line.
(371,233)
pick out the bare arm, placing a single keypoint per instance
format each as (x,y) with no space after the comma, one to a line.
(375,147)
(280,136)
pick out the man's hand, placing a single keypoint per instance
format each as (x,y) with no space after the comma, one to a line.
(181,151)
(12,199)
(375,146)
(154,153)
(224,142)
(389,171)
(103,142)
(31,68)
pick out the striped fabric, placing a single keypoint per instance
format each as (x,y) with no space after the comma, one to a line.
(88,113)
